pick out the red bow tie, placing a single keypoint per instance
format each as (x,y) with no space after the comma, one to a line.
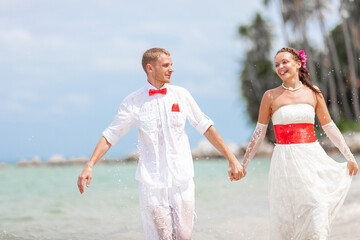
(153,91)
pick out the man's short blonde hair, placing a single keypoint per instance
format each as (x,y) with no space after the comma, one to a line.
(151,55)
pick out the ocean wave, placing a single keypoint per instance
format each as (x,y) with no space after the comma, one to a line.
(8,236)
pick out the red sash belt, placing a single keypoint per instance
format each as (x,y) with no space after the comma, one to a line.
(295,133)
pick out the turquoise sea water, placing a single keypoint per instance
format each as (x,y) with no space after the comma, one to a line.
(44,203)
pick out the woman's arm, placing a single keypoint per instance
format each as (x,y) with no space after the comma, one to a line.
(321,109)
(334,133)
(260,129)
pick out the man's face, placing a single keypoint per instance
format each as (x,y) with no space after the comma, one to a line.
(162,69)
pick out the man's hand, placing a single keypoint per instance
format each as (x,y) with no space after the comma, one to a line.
(85,175)
(101,148)
(236,171)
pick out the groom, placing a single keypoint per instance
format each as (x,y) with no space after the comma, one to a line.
(165,168)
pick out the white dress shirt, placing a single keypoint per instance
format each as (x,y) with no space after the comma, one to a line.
(165,154)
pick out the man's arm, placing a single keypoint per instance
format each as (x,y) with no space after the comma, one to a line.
(101,148)
(236,171)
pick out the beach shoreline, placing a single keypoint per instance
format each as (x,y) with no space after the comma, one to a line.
(204,150)
(225,210)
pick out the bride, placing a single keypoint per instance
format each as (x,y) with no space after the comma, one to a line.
(306,186)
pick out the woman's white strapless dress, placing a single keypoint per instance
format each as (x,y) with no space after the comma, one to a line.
(306,186)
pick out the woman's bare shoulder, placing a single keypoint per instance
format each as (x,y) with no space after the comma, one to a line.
(272,93)
(317,95)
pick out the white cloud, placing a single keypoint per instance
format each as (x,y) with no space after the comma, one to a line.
(14,36)
(117,64)
(16,101)
(19,39)
(121,54)
(71,104)
(10,108)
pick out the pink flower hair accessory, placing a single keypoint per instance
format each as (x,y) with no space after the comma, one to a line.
(303,58)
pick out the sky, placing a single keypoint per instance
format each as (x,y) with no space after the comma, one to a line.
(66,65)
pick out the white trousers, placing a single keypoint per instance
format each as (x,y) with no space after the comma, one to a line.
(167,213)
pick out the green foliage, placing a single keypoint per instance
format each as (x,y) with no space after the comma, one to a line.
(257,74)
(297,11)
(337,34)
(353,8)
(347,126)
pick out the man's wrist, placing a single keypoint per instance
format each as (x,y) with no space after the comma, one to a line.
(232,160)
(89,165)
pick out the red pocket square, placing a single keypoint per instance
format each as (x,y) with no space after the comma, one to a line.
(175,107)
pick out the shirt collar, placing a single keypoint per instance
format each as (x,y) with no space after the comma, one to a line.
(149,86)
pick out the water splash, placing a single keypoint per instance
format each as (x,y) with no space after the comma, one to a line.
(4,235)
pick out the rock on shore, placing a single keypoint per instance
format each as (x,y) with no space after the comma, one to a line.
(35,161)
(204,150)
(352,140)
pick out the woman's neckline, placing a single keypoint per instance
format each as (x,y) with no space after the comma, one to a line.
(292,105)
(292,89)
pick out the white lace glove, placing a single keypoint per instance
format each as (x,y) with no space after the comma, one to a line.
(338,140)
(255,142)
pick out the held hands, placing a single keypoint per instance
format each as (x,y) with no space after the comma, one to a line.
(353,168)
(85,175)
(236,171)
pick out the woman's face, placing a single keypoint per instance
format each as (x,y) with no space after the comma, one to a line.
(286,66)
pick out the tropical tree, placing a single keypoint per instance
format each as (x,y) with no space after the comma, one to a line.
(351,60)
(279,5)
(335,68)
(297,12)
(257,74)
(330,49)
(352,9)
